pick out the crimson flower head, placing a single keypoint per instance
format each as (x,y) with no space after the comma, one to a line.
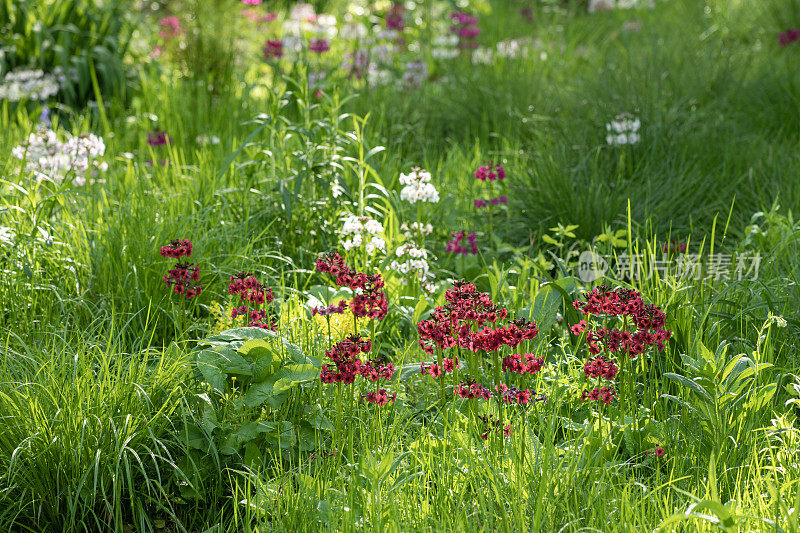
(789,36)
(380,397)
(273,49)
(158,138)
(170,27)
(177,249)
(319,46)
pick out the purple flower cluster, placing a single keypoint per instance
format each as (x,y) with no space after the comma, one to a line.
(479,204)
(455,246)
(789,36)
(466,28)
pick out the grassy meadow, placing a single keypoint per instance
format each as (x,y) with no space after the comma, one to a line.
(582,317)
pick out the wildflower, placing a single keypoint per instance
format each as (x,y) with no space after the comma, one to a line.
(158,138)
(170,27)
(480,204)
(470,389)
(603,394)
(600,367)
(358,231)
(528,14)
(273,49)
(789,36)
(623,130)
(252,292)
(319,46)
(50,159)
(335,309)
(380,397)
(466,28)
(523,363)
(490,172)
(658,451)
(345,356)
(182,276)
(252,2)
(412,263)
(395,17)
(33,85)
(578,328)
(376,369)
(454,246)
(674,246)
(177,248)
(418,187)
(416,72)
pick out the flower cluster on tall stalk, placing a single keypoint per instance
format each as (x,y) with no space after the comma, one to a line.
(618,331)
(493,176)
(49,159)
(182,276)
(411,256)
(363,233)
(624,129)
(472,328)
(455,245)
(789,36)
(33,85)
(466,28)
(368,301)
(255,301)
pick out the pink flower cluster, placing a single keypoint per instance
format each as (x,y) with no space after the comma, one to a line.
(471,389)
(253,15)
(273,49)
(158,138)
(454,246)
(480,204)
(369,299)
(395,17)
(319,46)
(525,363)
(170,27)
(789,36)
(490,172)
(470,320)
(182,276)
(252,292)
(466,28)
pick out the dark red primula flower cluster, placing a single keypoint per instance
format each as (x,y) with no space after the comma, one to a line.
(252,292)
(603,394)
(490,172)
(627,304)
(525,363)
(369,300)
(346,358)
(333,309)
(470,389)
(470,320)
(182,276)
(177,249)
(600,367)
(380,397)
(447,367)
(347,366)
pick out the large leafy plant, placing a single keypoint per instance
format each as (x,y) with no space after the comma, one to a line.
(252,408)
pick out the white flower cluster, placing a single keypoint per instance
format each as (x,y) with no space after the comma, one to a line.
(416,229)
(607,5)
(303,18)
(624,129)
(412,261)
(30,85)
(50,159)
(444,47)
(362,231)
(418,187)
